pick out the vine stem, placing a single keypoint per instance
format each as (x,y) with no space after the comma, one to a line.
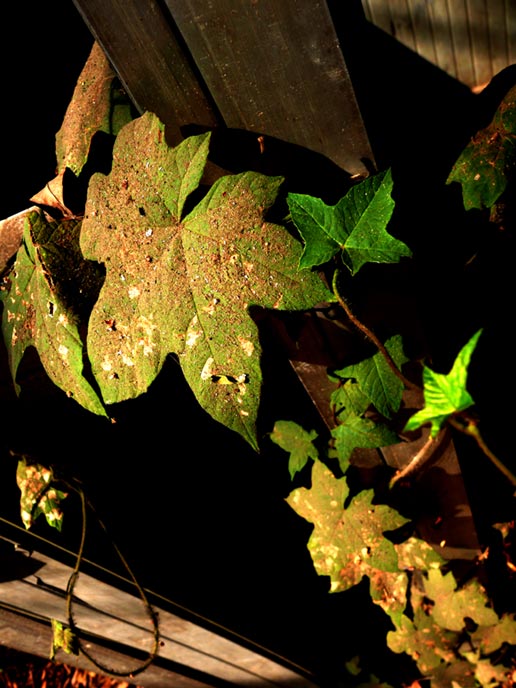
(469,427)
(420,457)
(370,335)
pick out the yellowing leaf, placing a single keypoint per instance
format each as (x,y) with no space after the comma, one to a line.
(43,312)
(37,494)
(348,544)
(452,606)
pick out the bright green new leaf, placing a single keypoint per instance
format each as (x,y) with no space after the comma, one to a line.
(377,380)
(185,285)
(360,432)
(445,394)
(485,165)
(355,226)
(452,606)
(44,311)
(297,441)
(37,495)
(348,544)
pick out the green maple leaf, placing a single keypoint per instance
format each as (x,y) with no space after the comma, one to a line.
(355,226)
(348,399)
(348,544)
(45,311)
(360,432)
(185,285)
(297,441)
(491,638)
(377,380)
(485,165)
(452,606)
(445,394)
(37,495)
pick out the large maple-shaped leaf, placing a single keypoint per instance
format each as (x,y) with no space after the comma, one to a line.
(348,544)
(484,166)
(445,394)
(43,311)
(185,285)
(377,380)
(355,226)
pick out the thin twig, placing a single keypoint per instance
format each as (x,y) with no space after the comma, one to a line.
(420,457)
(469,427)
(371,336)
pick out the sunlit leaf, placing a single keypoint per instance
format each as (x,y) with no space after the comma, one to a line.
(491,638)
(445,394)
(297,441)
(97,105)
(37,494)
(63,638)
(452,606)
(349,543)
(45,297)
(185,285)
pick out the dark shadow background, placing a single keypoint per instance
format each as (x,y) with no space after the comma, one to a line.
(200,517)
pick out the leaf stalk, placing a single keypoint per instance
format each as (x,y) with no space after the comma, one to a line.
(370,334)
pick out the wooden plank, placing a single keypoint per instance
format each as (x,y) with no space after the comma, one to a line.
(441,31)
(510,23)
(461,41)
(276,68)
(151,64)
(111,615)
(478,29)
(401,23)
(498,36)
(423,30)
(34,637)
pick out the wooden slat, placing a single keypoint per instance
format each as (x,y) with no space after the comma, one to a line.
(114,616)
(479,37)
(472,40)
(423,30)
(441,31)
(156,72)
(276,68)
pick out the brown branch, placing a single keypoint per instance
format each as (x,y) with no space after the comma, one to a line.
(371,336)
(469,427)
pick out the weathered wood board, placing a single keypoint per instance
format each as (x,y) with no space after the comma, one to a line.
(471,40)
(118,631)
